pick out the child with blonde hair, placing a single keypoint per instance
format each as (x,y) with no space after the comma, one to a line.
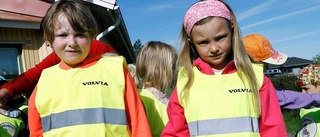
(156,70)
(219,92)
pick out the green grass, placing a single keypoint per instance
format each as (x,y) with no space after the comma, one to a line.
(291,119)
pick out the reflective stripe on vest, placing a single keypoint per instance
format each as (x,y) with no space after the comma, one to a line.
(83,102)
(84,116)
(309,123)
(230,125)
(220,104)
(155,110)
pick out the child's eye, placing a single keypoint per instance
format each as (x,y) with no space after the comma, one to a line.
(219,38)
(202,43)
(62,35)
(81,35)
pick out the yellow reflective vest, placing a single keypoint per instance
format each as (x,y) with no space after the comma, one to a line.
(309,123)
(220,105)
(12,126)
(4,132)
(83,102)
(24,108)
(156,112)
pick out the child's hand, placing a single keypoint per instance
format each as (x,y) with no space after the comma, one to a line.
(3,103)
(4,93)
(3,109)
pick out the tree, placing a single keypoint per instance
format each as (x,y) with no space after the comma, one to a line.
(316,59)
(137,46)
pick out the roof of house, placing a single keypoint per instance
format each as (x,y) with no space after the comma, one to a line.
(22,10)
(22,13)
(28,14)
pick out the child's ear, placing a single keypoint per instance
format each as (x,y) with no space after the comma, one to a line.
(48,44)
(189,40)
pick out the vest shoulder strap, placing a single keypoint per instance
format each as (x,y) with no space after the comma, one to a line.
(25,132)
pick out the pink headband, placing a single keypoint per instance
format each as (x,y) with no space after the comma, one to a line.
(202,10)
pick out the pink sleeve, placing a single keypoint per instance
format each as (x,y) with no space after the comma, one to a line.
(271,122)
(177,125)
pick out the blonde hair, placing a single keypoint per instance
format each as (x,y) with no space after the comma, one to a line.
(156,65)
(132,71)
(241,59)
(79,17)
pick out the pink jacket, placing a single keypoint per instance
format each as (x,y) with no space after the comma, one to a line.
(271,122)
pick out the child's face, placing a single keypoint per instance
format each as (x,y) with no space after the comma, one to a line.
(213,42)
(310,89)
(71,47)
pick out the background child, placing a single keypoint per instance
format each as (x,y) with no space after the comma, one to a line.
(83,95)
(219,92)
(261,51)
(309,81)
(13,122)
(156,70)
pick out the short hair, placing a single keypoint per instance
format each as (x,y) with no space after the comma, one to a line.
(76,13)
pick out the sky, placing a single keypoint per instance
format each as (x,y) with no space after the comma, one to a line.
(292,27)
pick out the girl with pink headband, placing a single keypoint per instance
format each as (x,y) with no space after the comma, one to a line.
(219,92)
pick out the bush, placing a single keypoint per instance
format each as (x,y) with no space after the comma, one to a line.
(287,82)
(291,117)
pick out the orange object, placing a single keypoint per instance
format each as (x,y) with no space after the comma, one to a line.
(259,49)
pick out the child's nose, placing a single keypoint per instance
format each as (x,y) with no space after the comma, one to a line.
(214,49)
(72,42)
